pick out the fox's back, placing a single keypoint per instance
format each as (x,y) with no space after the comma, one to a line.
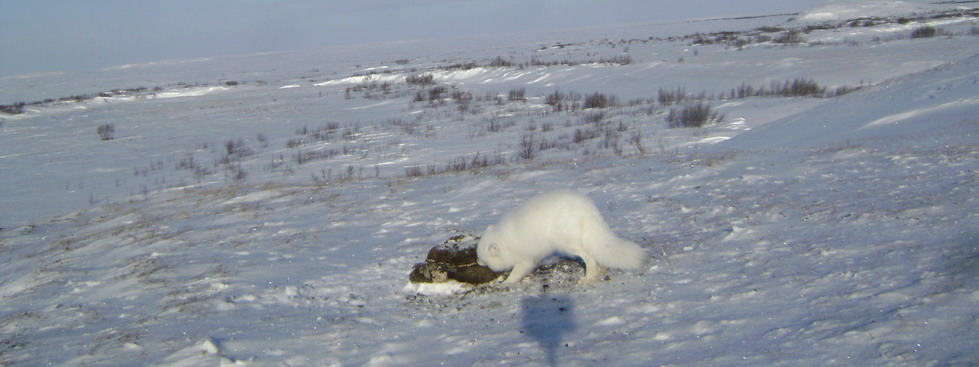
(557,217)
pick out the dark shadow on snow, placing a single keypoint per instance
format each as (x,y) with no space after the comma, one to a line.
(547,319)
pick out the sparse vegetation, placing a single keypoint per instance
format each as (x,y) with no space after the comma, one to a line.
(594,117)
(13,109)
(237,148)
(695,115)
(596,123)
(107,131)
(500,62)
(236,172)
(529,147)
(302,206)
(929,32)
(635,140)
(798,87)
(424,79)
(497,124)
(792,36)
(924,32)
(618,60)
(517,95)
(581,135)
(460,164)
(601,100)
(668,97)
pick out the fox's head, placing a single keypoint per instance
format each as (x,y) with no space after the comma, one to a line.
(489,253)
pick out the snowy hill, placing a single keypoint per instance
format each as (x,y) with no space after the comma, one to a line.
(928,108)
(266,209)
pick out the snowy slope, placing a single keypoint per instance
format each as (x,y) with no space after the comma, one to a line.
(928,108)
(837,10)
(797,231)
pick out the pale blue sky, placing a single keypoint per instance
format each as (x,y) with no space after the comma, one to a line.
(76,35)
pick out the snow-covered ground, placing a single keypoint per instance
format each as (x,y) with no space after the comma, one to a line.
(267,209)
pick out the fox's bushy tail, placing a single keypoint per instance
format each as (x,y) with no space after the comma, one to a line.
(622,254)
(612,251)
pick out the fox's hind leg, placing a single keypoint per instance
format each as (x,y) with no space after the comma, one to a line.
(592,269)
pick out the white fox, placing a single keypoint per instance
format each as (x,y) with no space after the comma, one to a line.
(560,221)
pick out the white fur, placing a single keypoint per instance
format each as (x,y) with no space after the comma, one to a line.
(561,221)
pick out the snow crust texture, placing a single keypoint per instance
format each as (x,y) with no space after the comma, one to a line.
(273,221)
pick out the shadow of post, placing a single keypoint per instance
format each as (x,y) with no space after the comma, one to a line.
(547,319)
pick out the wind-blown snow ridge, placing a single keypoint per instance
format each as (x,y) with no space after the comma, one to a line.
(934,101)
(843,10)
(189,92)
(159,63)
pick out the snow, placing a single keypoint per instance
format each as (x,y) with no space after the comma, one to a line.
(193,92)
(796,231)
(945,97)
(845,10)
(449,287)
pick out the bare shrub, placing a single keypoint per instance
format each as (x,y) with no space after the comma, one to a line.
(769,29)
(424,79)
(437,94)
(841,90)
(237,148)
(620,60)
(668,97)
(295,143)
(745,90)
(462,96)
(497,124)
(554,99)
(306,156)
(929,31)
(236,172)
(696,115)
(107,131)
(529,147)
(581,135)
(517,95)
(414,171)
(408,127)
(798,88)
(611,141)
(636,141)
(600,100)
(594,117)
(459,164)
(463,163)
(792,36)
(924,32)
(500,62)
(13,109)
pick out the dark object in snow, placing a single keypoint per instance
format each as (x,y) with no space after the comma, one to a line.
(455,259)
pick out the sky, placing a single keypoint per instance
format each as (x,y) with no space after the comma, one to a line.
(79,35)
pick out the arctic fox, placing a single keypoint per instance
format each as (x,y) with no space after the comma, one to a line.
(561,221)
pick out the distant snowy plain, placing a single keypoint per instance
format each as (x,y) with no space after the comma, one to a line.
(266,209)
